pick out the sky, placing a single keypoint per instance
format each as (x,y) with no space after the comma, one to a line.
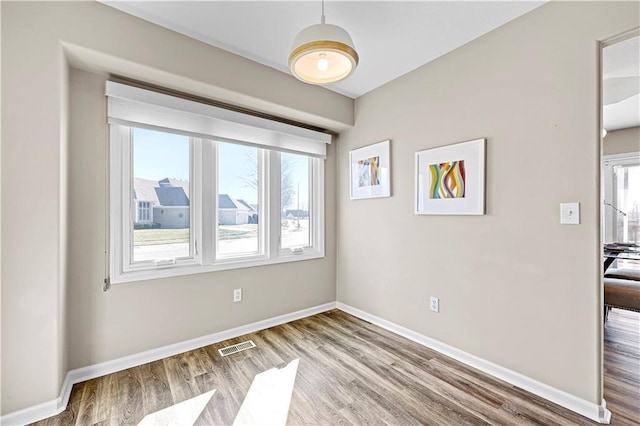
(157,155)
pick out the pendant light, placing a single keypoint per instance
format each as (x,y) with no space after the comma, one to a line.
(322,54)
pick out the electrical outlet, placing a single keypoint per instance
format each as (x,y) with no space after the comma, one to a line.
(434,304)
(237,295)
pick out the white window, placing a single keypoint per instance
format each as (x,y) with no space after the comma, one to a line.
(296,211)
(144,211)
(622,197)
(196,188)
(238,232)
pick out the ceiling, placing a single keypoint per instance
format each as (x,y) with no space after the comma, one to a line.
(621,84)
(391,37)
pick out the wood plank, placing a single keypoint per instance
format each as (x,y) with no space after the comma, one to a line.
(108,392)
(128,407)
(180,379)
(622,366)
(156,392)
(350,372)
(86,410)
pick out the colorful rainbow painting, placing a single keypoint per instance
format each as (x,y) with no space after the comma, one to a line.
(369,172)
(447,180)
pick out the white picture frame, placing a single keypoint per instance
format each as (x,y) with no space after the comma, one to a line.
(450,180)
(370,171)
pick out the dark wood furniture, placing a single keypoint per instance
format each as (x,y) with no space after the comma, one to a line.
(615,251)
(621,286)
(621,293)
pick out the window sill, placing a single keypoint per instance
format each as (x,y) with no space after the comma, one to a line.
(177,270)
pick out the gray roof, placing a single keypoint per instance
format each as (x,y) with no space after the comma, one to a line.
(226,202)
(247,205)
(143,190)
(167,192)
(172,196)
(175,192)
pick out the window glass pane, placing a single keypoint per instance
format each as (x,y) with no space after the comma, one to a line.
(627,199)
(161,170)
(238,183)
(294,172)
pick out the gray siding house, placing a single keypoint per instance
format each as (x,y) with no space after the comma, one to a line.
(235,212)
(166,203)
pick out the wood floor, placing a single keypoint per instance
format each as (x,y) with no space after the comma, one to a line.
(622,366)
(349,372)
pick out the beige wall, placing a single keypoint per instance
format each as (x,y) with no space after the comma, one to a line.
(622,141)
(134,317)
(33,119)
(54,313)
(515,287)
(506,293)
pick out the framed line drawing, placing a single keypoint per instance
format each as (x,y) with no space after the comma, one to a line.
(370,171)
(450,180)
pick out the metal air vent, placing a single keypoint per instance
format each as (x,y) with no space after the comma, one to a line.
(233,349)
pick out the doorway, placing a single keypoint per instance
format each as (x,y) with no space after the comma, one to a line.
(621,174)
(621,141)
(620,183)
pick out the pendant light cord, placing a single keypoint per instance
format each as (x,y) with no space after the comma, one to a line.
(322,17)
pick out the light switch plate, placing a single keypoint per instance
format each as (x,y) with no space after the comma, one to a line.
(237,295)
(570,213)
(434,304)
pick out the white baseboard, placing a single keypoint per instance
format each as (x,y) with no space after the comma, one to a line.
(56,406)
(598,413)
(40,411)
(33,413)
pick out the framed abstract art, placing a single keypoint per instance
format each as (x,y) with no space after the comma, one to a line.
(370,171)
(450,179)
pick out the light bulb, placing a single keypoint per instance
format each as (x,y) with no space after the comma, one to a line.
(323,63)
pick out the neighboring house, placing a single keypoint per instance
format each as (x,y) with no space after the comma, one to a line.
(253,213)
(235,212)
(296,214)
(166,202)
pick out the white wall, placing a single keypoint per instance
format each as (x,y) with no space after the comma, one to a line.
(55,316)
(622,141)
(516,287)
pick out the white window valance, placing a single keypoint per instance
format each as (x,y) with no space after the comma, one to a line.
(133,106)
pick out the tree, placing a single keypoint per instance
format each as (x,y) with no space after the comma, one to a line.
(287,168)
(286,181)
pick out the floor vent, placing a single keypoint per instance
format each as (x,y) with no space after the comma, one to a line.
(234,349)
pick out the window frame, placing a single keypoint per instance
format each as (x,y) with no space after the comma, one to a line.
(261,251)
(203,190)
(609,164)
(144,208)
(312,202)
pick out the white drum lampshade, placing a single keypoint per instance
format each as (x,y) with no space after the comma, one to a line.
(322,54)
